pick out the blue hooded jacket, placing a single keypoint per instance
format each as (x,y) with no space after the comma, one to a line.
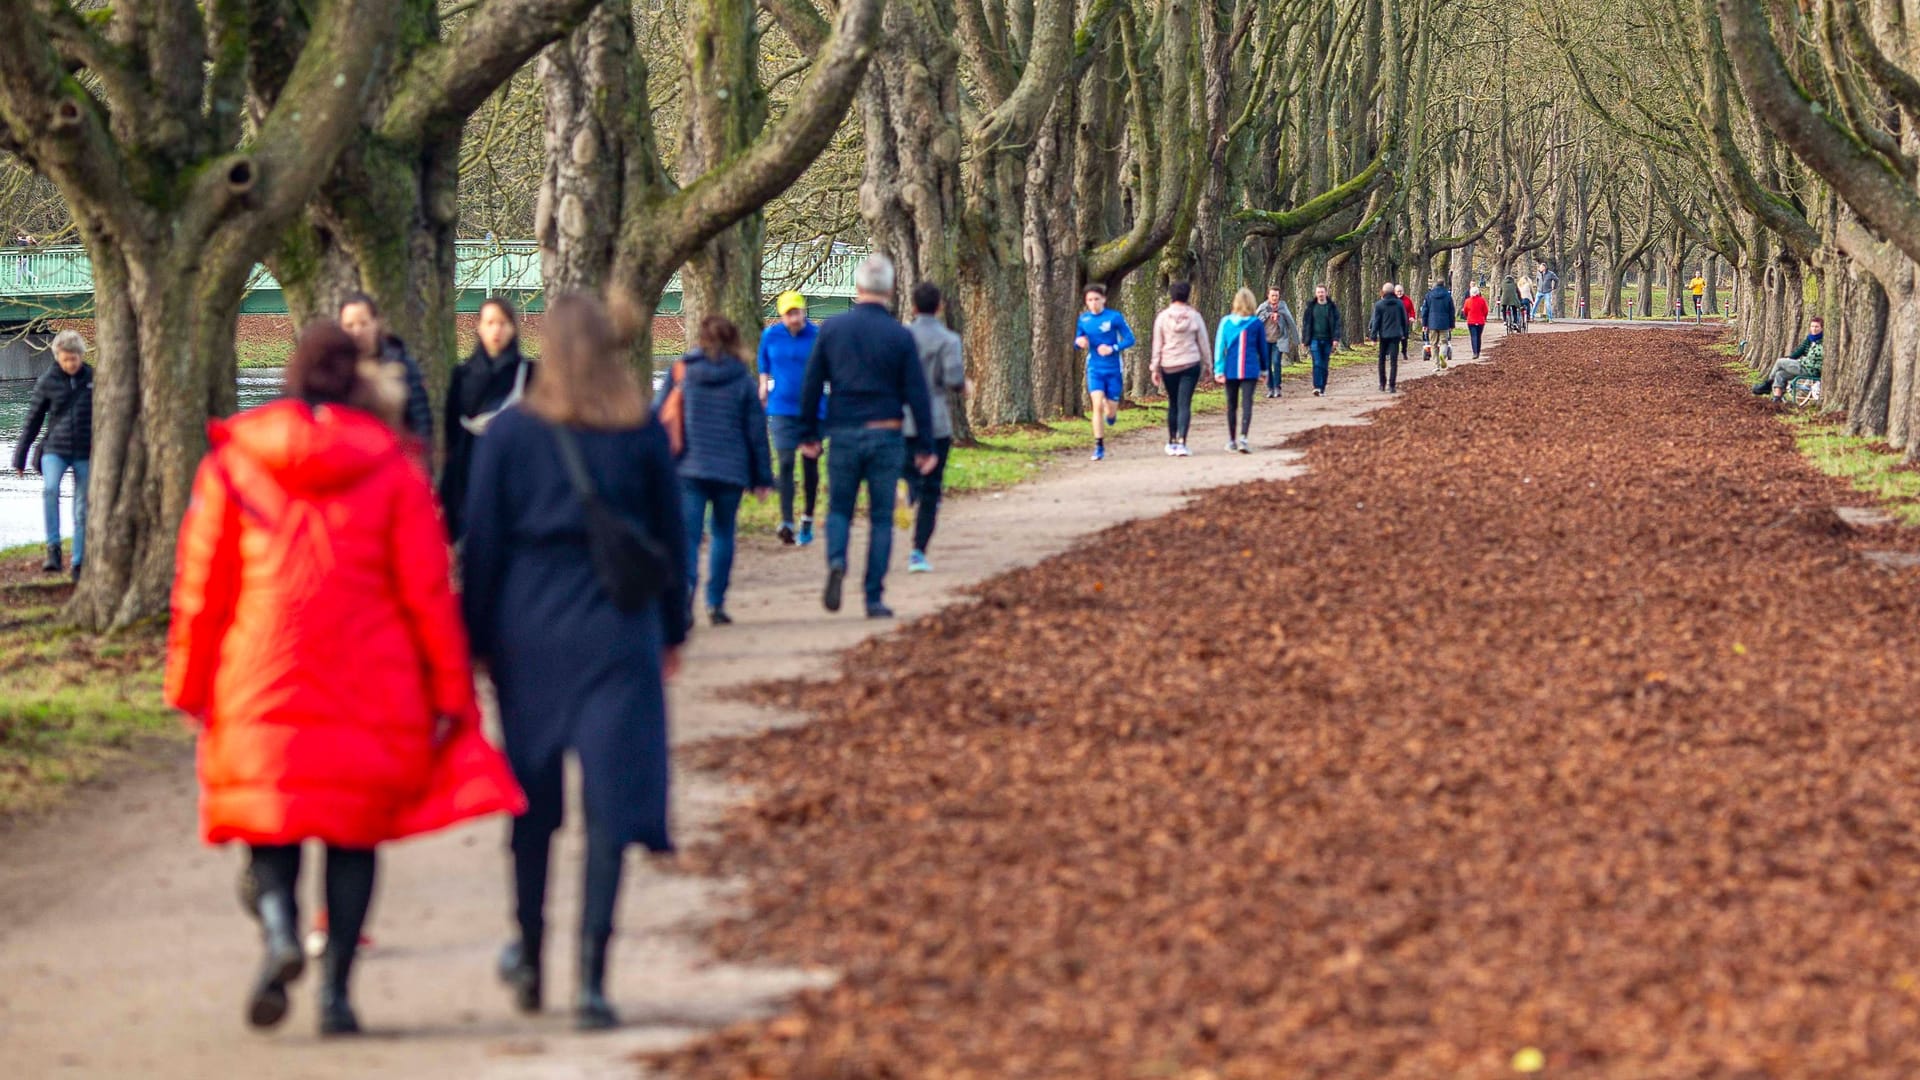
(1436,311)
(1240,348)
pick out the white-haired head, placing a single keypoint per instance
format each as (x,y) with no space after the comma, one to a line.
(70,341)
(874,276)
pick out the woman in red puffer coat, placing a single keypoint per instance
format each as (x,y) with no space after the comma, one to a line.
(317,642)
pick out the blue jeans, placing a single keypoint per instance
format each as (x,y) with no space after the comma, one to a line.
(52,468)
(695,497)
(869,456)
(1322,352)
(1543,306)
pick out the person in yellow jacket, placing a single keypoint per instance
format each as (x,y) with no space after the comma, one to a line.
(1698,286)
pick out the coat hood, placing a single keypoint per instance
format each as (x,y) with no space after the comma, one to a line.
(308,448)
(708,371)
(1181,318)
(1234,324)
(1439,292)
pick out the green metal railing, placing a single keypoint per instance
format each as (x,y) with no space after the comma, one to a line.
(57,282)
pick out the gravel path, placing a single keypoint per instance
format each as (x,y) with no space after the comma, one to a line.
(1554,719)
(124,953)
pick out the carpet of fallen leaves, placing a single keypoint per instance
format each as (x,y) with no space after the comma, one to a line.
(1556,709)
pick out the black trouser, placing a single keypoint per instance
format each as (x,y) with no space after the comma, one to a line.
(1390,350)
(923,492)
(349,893)
(1240,405)
(810,478)
(532,845)
(1404,340)
(1474,332)
(1180,386)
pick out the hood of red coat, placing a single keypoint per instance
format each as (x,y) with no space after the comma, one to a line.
(305,447)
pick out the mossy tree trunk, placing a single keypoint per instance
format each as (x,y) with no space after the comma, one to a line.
(176,200)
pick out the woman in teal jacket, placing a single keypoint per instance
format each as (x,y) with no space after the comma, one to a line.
(1241,355)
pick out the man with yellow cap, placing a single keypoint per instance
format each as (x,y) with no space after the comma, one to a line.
(784,349)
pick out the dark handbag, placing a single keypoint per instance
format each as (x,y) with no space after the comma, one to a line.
(632,566)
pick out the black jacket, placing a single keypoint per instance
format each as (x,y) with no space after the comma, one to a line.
(873,365)
(419,406)
(725,426)
(1389,321)
(64,403)
(1321,322)
(478,386)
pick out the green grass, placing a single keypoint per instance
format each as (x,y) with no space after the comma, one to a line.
(70,703)
(266,353)
(1004,457)
(1867,464)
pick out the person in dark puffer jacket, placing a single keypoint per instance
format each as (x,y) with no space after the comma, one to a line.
(63,402)
(725,454)
(360,317)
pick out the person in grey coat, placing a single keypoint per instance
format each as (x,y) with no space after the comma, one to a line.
(725,454)
(946,374)
(1283,333)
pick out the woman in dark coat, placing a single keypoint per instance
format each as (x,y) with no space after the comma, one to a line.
(493,377)
(572,671)
(725,455)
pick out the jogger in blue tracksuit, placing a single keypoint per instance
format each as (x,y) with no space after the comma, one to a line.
(1241,355)
(1104,334)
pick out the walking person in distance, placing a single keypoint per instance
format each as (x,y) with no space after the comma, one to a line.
(62,406)
(725,454)
(1388,326)
(1321,327)
(1240,357)
(1283,333)
(493,376)
(1179,353)
(872,363)
(946,376)
(317,645)
(1474,311)
(574,554)
(784,349)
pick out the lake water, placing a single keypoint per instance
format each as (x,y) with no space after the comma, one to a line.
(21,513)
(21,520)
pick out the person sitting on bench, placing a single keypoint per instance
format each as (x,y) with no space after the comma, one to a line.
(1804,363)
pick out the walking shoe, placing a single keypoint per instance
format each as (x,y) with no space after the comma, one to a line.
(1762,387)
(806,531)
(1383,388)
(917,563)
(1169,449)
(1246,445)
(1099,452)
(520,970)
(836,579)
(1184,452)
(52,565)
(591,1009)
(76,573)
(786,532)
(1319,392)
(879,611)
(719,617)
(1233,445)
(284,961)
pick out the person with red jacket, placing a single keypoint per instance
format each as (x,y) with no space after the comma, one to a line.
(1475,313)
(1400,292)
(317,644)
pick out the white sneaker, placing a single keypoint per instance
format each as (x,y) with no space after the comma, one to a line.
(1246,446)
(1183,451)
(1233,445)
(1170,451)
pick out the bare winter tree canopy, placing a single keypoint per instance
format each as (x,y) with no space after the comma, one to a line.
(1011,151)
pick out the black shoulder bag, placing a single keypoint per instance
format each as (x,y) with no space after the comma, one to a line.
(632,566)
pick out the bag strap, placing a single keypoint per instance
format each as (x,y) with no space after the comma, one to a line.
(576,465)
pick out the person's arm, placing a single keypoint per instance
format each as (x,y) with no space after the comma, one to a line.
(763,364)
(912,384)
(759,455)
(1220,351)
(36,415)
(206,584)
(1200,336)
(1126,340)
(1159,345)
(661,516)
(1800,350)
(812,386)
(422,580)
(419,405)
(483,552)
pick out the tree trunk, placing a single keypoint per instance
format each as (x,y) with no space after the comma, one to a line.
(726,110)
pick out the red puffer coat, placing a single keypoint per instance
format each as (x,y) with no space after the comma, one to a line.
(316,638)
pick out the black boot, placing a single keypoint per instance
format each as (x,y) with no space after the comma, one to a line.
(283,963)
(52,565)
(520,970)
(1761,387)
(336,1008)
(591,1010)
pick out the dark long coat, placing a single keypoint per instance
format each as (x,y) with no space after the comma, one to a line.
(573,671)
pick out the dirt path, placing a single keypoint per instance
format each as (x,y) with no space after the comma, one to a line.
(123,951)
(1554,718)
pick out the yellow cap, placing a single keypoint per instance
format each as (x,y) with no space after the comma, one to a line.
(789,301)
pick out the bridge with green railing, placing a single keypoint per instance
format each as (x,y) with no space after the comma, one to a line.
(39,283)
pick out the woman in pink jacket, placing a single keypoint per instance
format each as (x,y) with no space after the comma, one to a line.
(1179,346)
